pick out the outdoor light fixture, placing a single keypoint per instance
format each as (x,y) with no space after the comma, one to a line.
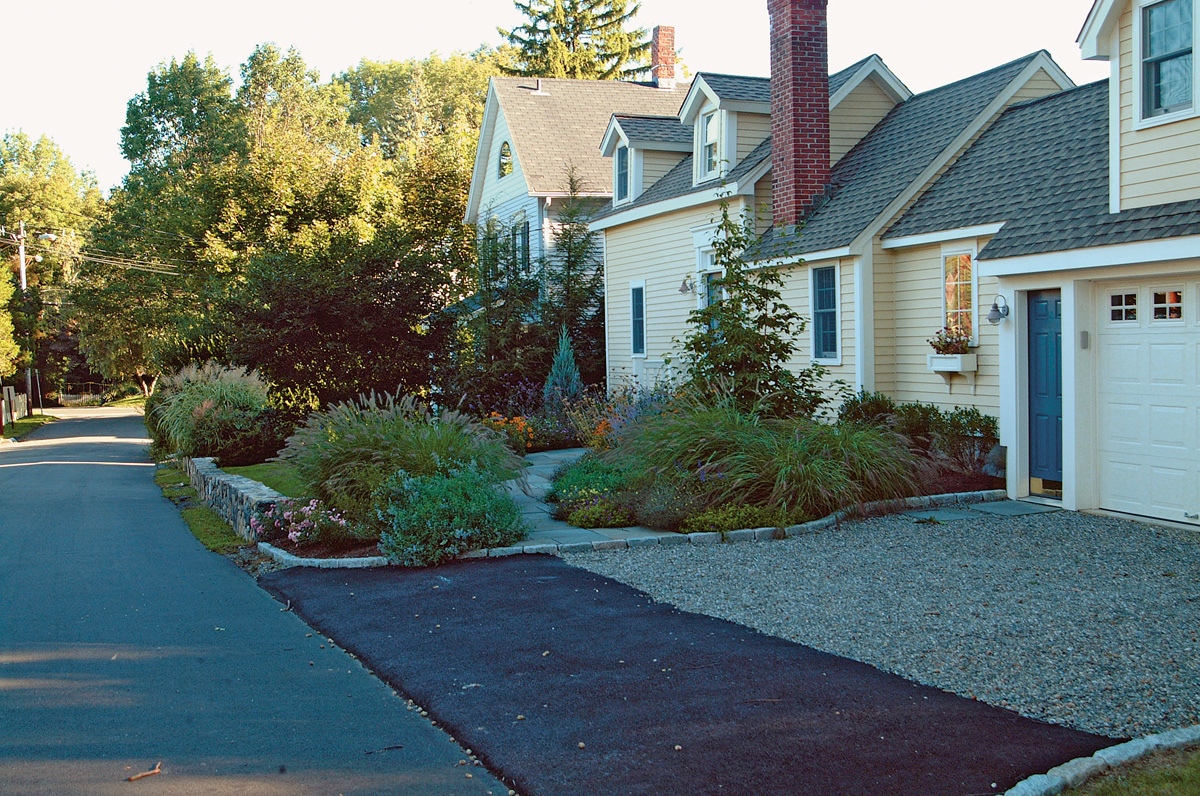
(998,312)
(688,285)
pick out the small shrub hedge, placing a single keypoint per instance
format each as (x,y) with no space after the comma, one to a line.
(723,519)
(428,519)
(342,455)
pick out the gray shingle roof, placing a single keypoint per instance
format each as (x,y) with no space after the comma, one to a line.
(1042,169)
(678,181)
(664,129)
(564,125)
(741,88)
(889,158)
(1020,157)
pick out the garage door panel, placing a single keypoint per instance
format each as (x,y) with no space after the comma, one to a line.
(1148,407)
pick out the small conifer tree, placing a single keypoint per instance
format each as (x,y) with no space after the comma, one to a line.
(563,385)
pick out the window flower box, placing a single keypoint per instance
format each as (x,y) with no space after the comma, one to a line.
(953,363)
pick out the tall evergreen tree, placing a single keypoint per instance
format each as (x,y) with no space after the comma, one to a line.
(581,39)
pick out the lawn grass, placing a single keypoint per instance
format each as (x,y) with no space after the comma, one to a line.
(277,475)
(138,401)
(1168,773)
(212,531)
(26,424)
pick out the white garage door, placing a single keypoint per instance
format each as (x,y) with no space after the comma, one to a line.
(1148,390)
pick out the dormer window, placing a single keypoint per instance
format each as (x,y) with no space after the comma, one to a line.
(709,139)
(506,166)
(621,176)
(1167,71)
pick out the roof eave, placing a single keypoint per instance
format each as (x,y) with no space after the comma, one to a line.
(1095,37)
(479,171)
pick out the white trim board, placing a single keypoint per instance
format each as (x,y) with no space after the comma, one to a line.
(944,236)
(1181,248)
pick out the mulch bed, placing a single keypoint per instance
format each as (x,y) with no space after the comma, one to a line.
(565,682)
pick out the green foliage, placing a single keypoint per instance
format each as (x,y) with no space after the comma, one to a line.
(732,517)
(563,385)
(209,411)
(599,511)
(961,438)
(302,522)
(9,351)
(744,456)
(665,505)
(581,39)
(744,342)
(573,282)
(343,454)
(428,519)
(585,477)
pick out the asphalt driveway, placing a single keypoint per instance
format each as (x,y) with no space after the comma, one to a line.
(124,643)
(567,682)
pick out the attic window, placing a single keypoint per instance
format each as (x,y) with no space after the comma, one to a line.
(709,135)
(505,160)
(621,179)
(1166,57)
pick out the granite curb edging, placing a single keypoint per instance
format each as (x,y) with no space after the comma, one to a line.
(236,498)
(1076,772)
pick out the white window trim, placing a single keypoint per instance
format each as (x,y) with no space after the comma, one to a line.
(1140,121)
(837,314)
(1174,287)
(1140,306)
(703,270)
(950,251)
(702,172)
(628,174)
(633,285)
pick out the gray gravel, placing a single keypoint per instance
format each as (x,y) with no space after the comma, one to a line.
(1085,621)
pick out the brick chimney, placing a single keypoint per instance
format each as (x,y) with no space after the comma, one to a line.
(799,108)
(662,56)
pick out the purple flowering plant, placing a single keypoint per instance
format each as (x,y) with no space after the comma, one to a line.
(302,523)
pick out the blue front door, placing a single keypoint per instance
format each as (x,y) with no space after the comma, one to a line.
(1045,385)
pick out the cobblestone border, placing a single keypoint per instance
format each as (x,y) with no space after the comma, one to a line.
(1076,772)
(288,560)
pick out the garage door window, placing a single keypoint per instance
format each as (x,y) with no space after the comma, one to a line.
(1123,308)
(1168,305)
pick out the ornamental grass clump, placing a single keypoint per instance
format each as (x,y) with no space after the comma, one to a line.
(428,519)
(346,452)
(211,410)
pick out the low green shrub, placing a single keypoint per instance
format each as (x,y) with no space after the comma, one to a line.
(874,408)
(428,519)
(583,479)
(598,511)
(966,438)
(665,505)
(723,519)
(342,455)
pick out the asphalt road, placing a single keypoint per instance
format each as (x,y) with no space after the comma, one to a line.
(124,643)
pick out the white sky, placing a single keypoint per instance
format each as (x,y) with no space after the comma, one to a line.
(70,71)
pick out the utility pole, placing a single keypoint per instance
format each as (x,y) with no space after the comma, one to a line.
(24,287)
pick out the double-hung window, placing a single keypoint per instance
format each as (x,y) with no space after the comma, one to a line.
(520,246)
(621,189)
(824,313)
(1166,52)
(709,139)
(637,314)
(959,292)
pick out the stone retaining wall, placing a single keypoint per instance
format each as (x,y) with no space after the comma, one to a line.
(234,498)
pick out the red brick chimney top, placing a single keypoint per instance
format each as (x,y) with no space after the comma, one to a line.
(662,56)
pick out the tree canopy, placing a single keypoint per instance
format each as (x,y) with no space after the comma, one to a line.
(580,39)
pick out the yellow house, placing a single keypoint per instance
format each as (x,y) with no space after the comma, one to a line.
(1067,216)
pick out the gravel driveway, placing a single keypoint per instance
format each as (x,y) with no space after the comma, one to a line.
(1081,620)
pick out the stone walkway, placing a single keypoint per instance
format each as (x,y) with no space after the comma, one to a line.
(544,529)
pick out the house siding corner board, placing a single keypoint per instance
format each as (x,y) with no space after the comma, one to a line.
(855,116)
(752,130)
(660,252)
(916,311)
(1158,164)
